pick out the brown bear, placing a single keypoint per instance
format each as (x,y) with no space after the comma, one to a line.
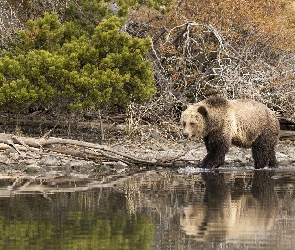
(243,123)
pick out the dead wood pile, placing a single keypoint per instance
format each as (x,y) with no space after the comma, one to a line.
(81,149)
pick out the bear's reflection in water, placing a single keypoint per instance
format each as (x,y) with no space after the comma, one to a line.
(229,212)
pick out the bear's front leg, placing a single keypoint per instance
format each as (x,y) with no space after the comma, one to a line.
(217,146)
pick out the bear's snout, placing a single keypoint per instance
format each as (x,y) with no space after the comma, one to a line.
(185,135)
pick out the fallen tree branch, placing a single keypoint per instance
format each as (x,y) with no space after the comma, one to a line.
(86,150)
(53,124)
(287,135)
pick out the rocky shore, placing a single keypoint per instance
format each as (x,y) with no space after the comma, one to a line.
(51,165)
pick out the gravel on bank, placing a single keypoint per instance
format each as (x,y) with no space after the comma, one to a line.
(50,164)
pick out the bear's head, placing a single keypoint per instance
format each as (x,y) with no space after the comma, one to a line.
(193,121)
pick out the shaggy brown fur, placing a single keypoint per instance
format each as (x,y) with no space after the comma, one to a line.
(243,123)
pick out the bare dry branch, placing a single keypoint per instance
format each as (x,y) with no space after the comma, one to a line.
(85,150)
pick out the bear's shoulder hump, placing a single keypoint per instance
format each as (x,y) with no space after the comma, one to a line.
(216,101)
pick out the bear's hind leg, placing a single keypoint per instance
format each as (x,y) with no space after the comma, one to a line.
(263,152)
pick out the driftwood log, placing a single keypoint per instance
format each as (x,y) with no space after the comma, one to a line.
(287,135)
(77,148)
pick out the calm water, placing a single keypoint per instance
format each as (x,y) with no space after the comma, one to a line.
(156,209)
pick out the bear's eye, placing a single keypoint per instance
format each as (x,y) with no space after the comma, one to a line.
(192,124)
(183,124)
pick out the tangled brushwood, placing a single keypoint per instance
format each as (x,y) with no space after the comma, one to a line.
(193,61)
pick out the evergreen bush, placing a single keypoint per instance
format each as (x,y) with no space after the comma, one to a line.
(55,63)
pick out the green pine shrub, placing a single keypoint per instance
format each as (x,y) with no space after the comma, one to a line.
(61,63)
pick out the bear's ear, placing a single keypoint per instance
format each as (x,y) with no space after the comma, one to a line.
(202,110)
(184,107)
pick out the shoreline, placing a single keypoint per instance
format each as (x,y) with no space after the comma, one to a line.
(55,165)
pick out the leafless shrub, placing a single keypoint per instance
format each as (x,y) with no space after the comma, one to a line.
(193,61)
(157,115)
(9,22)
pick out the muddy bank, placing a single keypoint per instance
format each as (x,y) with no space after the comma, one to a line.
(50,164)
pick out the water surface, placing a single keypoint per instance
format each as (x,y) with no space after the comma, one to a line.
(151,209)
